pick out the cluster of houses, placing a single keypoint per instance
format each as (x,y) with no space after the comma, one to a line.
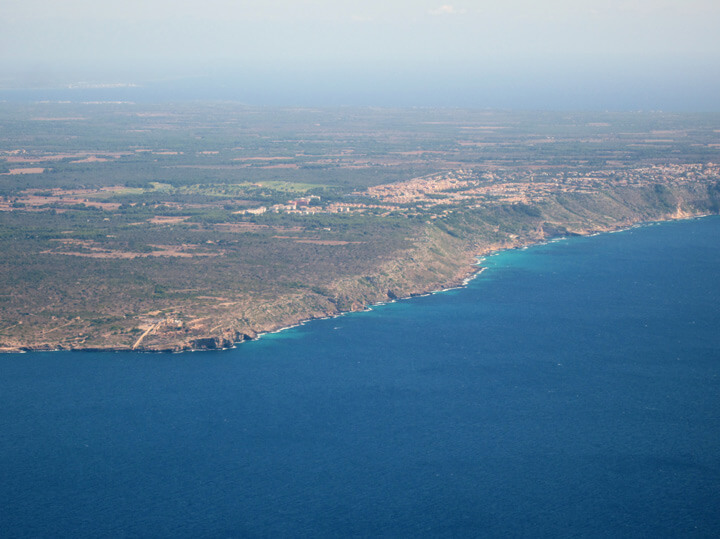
(303,206)
(462,186)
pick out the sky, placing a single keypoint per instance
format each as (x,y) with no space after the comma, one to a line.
(640,54)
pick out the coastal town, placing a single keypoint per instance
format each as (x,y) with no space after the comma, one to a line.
(467,187)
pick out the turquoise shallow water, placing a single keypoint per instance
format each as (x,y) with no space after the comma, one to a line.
(571,389)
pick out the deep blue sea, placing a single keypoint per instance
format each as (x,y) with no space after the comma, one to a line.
(572,389)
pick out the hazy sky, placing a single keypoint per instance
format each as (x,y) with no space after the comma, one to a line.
(496,47)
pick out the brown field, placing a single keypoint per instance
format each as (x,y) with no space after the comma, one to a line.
(418,152)
(263,158)
(328,242)
(167,219)
(36,201)
(17,171)
(212,167)
(252,227)
(92,159)
(58,156)
(98,251)
(478,144)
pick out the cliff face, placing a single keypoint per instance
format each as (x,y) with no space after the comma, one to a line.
(441,256)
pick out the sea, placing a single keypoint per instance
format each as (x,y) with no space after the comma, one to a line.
(572,389)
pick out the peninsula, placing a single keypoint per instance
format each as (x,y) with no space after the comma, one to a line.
(183,227)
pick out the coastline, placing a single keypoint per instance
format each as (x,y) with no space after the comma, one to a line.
(467,274)
(474,271)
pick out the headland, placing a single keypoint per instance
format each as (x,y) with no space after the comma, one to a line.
(161,241)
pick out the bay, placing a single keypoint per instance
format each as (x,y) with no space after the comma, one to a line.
(571,389)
